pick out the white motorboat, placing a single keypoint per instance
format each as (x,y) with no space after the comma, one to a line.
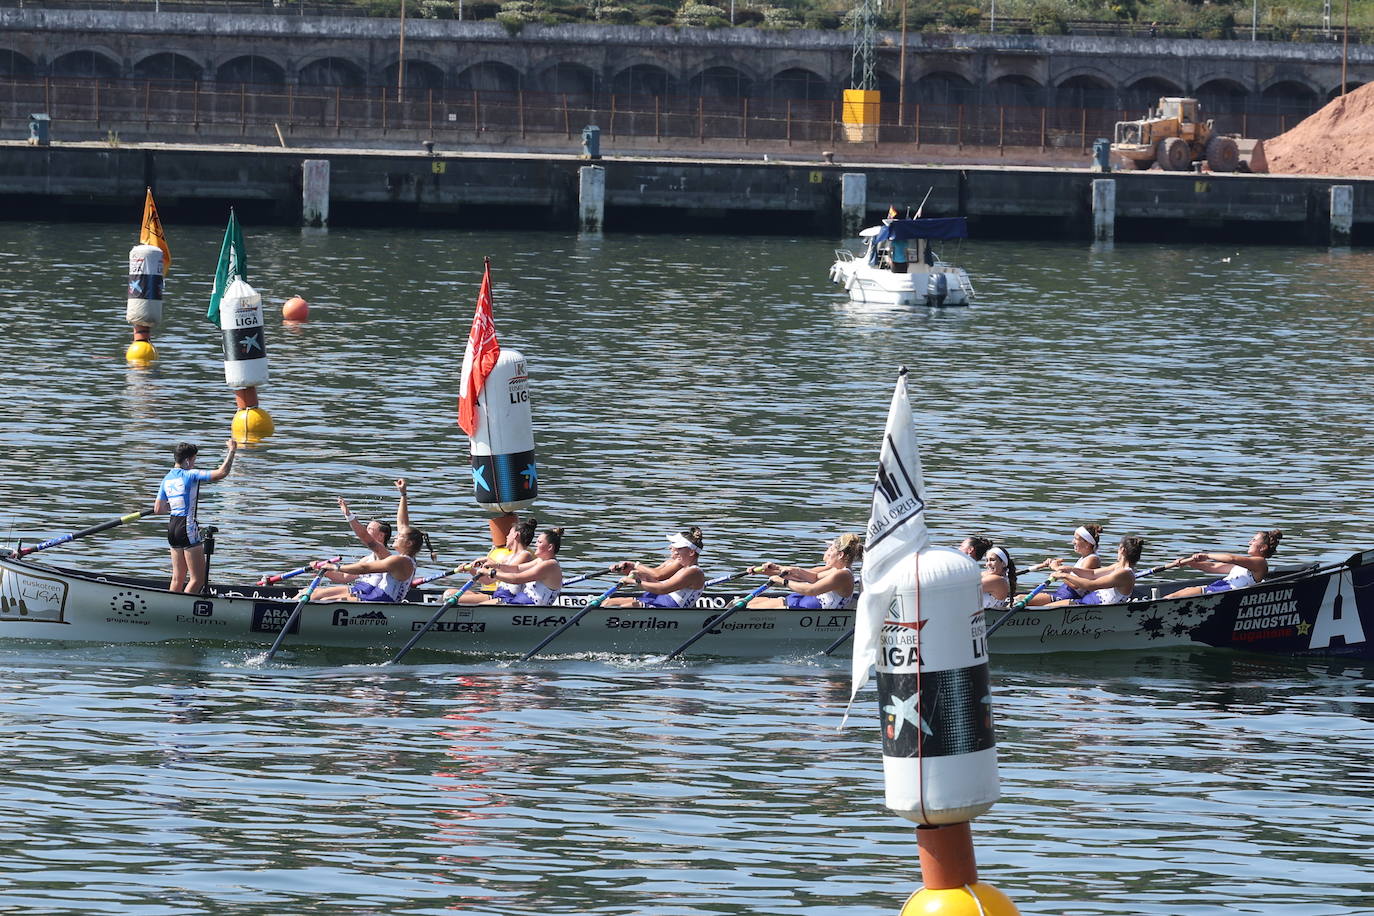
(921,278)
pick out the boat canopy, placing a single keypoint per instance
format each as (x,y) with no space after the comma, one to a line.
(948,227)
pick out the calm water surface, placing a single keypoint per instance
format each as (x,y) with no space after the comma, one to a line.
(1189,395)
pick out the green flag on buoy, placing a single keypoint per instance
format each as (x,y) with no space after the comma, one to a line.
(233,265)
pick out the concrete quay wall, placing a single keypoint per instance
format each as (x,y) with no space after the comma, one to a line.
(542,191)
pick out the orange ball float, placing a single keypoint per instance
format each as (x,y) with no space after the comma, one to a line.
(295,309)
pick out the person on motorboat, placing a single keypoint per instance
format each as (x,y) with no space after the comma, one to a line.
(373,579)
(179,494)
(1106,585)
(1237,570)
(975,547)
(1085,540)
(999,578)
(676,583)
(537,581)
(826,587)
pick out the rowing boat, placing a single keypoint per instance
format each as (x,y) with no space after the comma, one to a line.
(1324,611)
(52,603)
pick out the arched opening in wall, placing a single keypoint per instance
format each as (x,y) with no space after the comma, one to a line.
(490,76)
(1144,95)
(85,65)
(421,77)
(1222,97)
(943,88)
(168,66)
(1017,90)
(1084,91)
(720,83)
(251,69)
(14,64)
(577,82)
(890,87)
(332,71)
(801,85)
(644,80)
(1350,87)
(1289,97)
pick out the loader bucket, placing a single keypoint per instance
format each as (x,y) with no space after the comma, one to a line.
(1252,156)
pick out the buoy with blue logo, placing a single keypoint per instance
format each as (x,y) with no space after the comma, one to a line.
(148,264)
(237,309)
(920,624)
(494,411)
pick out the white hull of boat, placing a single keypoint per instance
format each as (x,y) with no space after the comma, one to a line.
(39,602)
(919,286)
(1319,612)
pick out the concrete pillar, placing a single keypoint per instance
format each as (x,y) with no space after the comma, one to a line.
(591,195)
(853,202)
(1104,209)
(1342,214)
(315,192)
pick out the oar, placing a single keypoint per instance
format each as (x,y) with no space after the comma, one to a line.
(839,642)
(273,580)
(434,618)
(295,615)
(730,578)
(1018,606)
(425,580)
(591,575)
(571,622)
(739,603)
(94,529)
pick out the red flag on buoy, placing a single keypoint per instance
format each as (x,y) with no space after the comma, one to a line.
(480,356)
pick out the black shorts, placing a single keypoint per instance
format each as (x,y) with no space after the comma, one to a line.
(183,532)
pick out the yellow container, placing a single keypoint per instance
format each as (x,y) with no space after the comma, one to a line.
(862,107)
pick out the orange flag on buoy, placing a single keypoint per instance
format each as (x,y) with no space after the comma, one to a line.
(152,231)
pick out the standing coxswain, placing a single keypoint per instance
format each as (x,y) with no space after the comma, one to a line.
(178,494)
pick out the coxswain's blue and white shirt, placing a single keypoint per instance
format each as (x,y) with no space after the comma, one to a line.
(180,489)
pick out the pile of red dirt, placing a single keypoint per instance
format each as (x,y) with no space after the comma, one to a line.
(1337,140)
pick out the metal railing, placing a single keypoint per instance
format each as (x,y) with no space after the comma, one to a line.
(465,115)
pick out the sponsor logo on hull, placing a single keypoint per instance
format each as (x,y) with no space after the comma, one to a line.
(24,596)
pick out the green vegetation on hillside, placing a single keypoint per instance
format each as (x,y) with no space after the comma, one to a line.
(1295,20)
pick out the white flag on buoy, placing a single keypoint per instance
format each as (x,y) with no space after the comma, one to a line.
(896,528)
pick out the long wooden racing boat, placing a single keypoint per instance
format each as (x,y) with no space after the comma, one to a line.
(43,602)
(1323,611)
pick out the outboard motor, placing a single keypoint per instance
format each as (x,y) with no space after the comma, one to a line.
(937,289)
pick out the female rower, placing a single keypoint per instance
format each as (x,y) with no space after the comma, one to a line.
(677,582)
(376,534)
(515,552)
(825,587)
(1108,584)
(537,581)
(374,579)
(1085,541)
(1239,570)
(999,578)
(975,547)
